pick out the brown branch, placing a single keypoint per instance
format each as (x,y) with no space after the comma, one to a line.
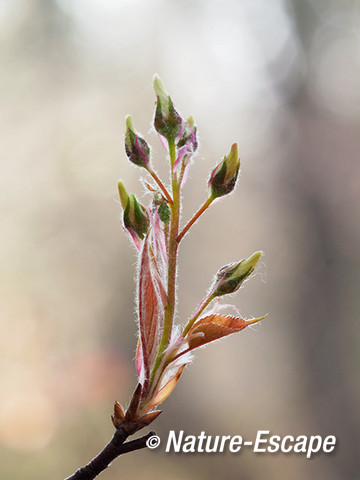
(112,450)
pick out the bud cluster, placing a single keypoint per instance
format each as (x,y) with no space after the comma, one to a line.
(162,351)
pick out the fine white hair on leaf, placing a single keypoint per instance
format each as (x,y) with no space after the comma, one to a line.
(219,307)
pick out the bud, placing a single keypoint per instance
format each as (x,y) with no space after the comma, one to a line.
(163,208)
(118,417)
(230,278)
(136,147)
(136,218)
(167,121)
(188,136)
(223,178)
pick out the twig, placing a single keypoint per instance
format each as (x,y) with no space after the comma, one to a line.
(201,210)
(161,185)
(112,450)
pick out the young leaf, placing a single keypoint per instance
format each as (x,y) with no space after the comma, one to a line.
(151,309)
(213,327)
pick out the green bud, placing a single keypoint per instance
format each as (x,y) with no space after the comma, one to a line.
(137,149)
(167,121)
(163,208)
(123,193)
(164,213)
(223,178)
(136,218)
(230,278)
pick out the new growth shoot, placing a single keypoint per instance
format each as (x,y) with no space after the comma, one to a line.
(163,349)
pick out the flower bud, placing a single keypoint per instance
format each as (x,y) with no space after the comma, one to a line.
(136,218)
(188,136)
(167,121)
(223,178)
(230,278)
(162,208)
(136,147)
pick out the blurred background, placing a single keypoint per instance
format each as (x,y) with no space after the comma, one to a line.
(280,77)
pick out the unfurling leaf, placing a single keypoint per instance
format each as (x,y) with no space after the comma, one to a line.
(166,390)
(213,327)
(188,137)
(151,308)
(186,147)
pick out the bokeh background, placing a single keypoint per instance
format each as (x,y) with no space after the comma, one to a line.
(280,77)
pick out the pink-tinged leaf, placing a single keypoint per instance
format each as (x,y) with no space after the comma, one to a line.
(213,327)
(188,149)
(186,174)
(139,363)
(163,142)
(182,151)
(178,347)
(159,245)
(151,309)
(141,151)
(182,129)
(134,238)
(166,390)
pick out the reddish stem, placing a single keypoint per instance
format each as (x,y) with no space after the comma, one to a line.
(191,222)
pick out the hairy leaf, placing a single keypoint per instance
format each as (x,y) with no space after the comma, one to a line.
(213,327)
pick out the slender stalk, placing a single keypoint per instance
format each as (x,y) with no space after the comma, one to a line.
(198,312)
(161,185)
(172,264)
(112,450)
(166,232)
(191,222)
(172,153)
